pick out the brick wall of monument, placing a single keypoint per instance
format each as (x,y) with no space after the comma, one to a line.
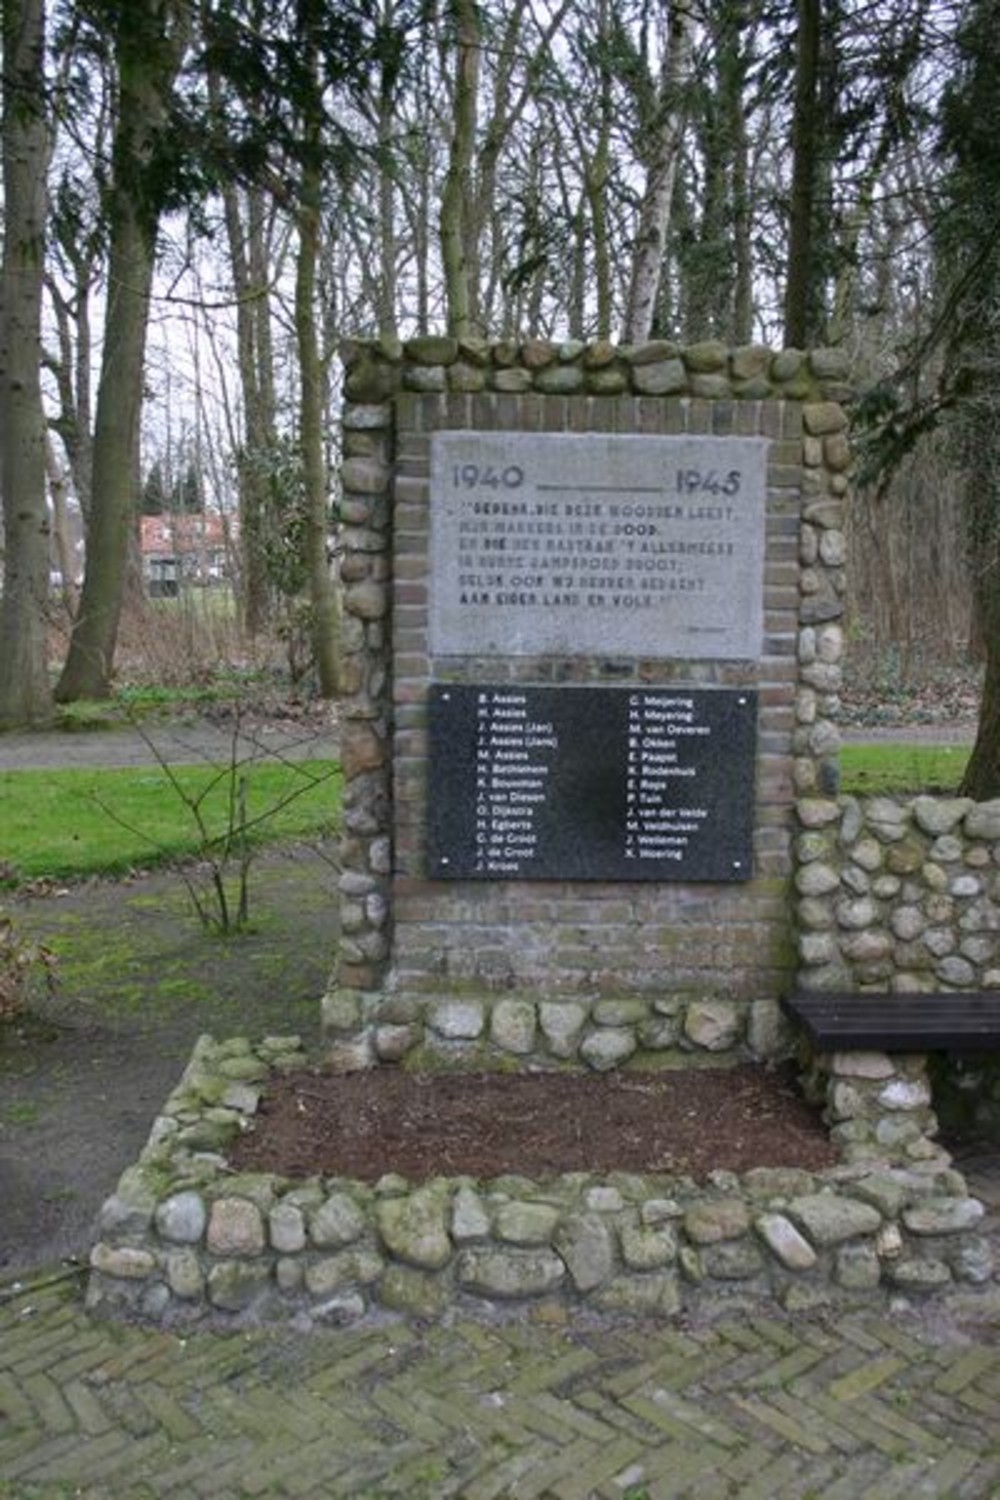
(574,969)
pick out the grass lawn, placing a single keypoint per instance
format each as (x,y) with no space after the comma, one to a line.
(876,770)
(70,823)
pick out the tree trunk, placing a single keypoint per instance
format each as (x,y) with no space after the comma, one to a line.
(323,596)
(87,673)
(25,692)
(248,267)
(980,450)
(148,53)
(457,192)
(386,189)
(800,274)
(982,774)
(654,213)
(58,486)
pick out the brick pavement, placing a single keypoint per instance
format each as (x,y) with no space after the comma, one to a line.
(757,1406)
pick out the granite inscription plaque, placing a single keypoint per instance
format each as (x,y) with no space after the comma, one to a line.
(591,783)
(572,545)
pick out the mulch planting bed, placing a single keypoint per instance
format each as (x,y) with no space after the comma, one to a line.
(689,1122)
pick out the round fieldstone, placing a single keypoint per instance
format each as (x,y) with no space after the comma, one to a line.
(870,1065)
(333,1272)
(335,1222)
(973,1260)
(939,941)
(852,878)
(185,1277)
(868,946)
(665,378)
(562,1025)
(431,349)
(368,599)
(817,812)
(905,1094)
(955,970)
(712,1221)
(181,1218)
(392,1042)
(858,1268)
(416,1293)
(586,1244)
(943,1215)
(981,917)
(785,1242)
(364,476)
(457,1020)
(235,1227)
(857,914)
(607,1048)
(287,1228)
(868,854)
(919,1275)
(470,1220)
(733,1260)
(817,947)
(907,922)
(509,1274)
(604,1199)
(713,1024)
(827,1218)
(817,879)
(823,417)
(415,1229)
(526,1223)
(982,821)
(234,1285)
(124,1261)
(648,1248)
(816,914)
(513,1024)
(937,815)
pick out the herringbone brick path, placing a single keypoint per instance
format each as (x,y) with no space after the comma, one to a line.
(761,1407)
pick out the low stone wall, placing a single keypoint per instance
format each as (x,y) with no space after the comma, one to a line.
(184,1236)
(898,894)
(482,1031)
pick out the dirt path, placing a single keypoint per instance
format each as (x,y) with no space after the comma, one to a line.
(176,740)
(83,1075)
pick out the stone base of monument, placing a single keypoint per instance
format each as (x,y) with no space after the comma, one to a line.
(185,1237)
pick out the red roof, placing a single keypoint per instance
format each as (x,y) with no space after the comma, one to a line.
(178,534)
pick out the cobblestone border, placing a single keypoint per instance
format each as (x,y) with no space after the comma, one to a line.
(183,1236)
(899,893)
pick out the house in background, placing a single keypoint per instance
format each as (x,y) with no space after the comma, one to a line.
(194,550)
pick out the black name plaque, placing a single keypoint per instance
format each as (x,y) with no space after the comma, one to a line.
(591,783)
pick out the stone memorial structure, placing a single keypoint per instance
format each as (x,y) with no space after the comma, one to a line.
(591,818)
(592,605)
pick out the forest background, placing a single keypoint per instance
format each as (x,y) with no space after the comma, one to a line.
(202,199)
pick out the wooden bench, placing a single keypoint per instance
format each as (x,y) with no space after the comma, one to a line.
(952,1021)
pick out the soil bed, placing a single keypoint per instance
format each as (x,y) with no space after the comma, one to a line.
(689,1122)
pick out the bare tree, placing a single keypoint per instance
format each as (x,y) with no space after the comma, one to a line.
(661,172)
(25,693)
(149,40)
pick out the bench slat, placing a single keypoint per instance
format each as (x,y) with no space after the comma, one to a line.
(900,1023)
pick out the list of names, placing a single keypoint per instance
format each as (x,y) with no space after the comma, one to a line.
(590,783)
